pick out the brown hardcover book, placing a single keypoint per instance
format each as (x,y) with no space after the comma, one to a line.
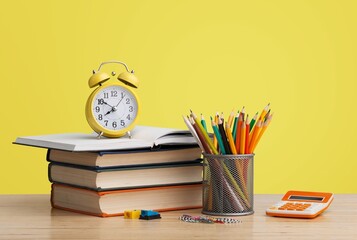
(126,157)
(126,177)
(114,203)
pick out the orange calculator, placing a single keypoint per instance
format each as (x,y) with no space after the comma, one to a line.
(299,204)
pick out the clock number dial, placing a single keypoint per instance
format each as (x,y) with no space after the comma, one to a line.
(114,107)
(100,101)
(114,93)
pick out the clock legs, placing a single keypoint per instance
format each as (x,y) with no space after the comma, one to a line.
(129,134)
(99,135)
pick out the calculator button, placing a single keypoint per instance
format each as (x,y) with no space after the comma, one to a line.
(282,208)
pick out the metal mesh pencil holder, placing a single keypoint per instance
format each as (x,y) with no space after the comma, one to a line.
(228,184)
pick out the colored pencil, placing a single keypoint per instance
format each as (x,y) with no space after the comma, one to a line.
(247,129)
(193,132)
(215,143)
(265,126)
(266,116)
(242,139)
(218,137)
(203,122)
(264,112)
(234,131)
(224,136)
(254,119)
(243,112)
(230,119)
(238,135)
(230,139)
(239,130)
(201,137)
(255,134)
(204,133)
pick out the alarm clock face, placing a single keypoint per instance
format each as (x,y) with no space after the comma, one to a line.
(115,107)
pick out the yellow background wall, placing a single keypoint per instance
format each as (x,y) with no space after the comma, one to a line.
(207,56)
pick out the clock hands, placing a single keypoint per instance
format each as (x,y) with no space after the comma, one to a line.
(120,100)
(113,109)
(107,104)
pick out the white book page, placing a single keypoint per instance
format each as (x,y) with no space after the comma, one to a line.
(142,137)
(151,134)
(80,142)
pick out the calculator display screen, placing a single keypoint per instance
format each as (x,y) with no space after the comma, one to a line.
(292,197)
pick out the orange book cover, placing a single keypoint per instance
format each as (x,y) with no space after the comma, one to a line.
(165,198)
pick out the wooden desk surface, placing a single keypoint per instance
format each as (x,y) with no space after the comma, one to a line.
(31,217)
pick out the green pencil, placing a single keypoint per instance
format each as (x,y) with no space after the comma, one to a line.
(234,130)
(224,136)
(203,122)
(218,137)
(251,124)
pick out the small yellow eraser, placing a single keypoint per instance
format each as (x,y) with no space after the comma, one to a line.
(132,214)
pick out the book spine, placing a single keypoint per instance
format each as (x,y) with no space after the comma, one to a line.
(49,172)
(48,155)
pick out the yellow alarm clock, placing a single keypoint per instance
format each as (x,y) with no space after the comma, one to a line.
(113,108)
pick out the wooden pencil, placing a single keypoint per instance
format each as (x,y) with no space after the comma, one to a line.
(239,130)
(242,139)
(218,137)
(247,129)
(255,134)
(264,112)
(230,119)
(193,132)
(201,137)
(254,119)
(224,136)
(265,126)
(205,134)
(230,139)
(203,122)
(234,131)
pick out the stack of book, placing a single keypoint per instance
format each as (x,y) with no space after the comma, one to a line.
(157,168)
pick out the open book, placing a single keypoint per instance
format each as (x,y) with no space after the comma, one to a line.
(141,137)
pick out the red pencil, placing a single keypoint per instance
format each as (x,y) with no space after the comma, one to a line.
(247,129)
(239,132)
